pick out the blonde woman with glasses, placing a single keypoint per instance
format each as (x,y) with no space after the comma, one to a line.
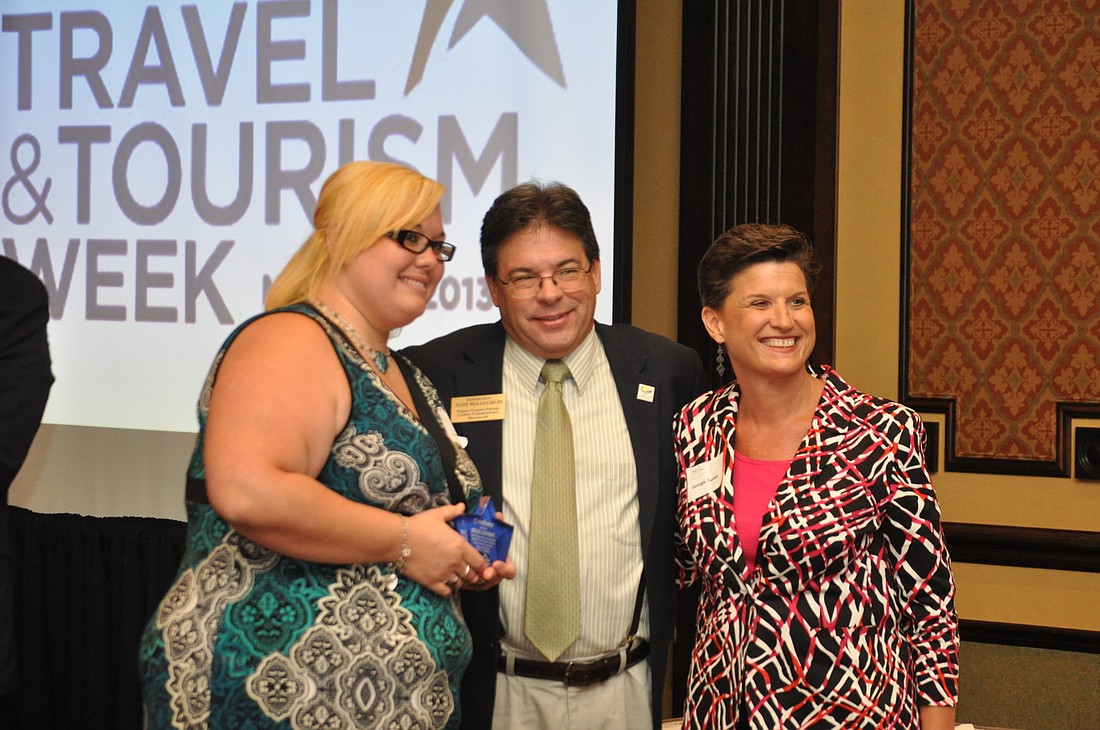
(319,584)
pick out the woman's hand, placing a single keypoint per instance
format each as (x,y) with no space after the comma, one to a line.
(442,560)
(937,718)
(493,575)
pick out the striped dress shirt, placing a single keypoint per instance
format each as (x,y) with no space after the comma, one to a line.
(609,543)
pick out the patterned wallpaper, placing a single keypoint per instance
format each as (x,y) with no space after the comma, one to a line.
(1004,291)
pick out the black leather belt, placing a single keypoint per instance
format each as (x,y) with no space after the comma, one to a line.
(578,674)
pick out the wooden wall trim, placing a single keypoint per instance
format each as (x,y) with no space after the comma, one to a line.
(625,92)
(1023,547)
(1035,637)
(1060,466)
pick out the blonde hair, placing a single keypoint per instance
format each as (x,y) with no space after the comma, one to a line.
(359,203)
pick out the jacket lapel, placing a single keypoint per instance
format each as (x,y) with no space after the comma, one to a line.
(628,368)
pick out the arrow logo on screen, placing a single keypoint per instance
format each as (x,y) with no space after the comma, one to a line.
(529,28)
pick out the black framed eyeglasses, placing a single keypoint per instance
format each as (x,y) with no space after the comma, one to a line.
(524,286)
(417,242)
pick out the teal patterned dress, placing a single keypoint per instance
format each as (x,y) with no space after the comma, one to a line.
(249,638)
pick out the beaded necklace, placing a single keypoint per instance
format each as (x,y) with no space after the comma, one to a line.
(381,359)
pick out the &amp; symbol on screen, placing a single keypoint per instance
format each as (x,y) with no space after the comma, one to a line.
(22,177)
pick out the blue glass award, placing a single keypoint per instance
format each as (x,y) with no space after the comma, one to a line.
(481,528)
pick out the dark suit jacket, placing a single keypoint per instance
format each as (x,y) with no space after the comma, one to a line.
(25,380)
(471,362)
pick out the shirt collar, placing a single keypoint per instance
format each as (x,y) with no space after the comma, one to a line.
(582,361)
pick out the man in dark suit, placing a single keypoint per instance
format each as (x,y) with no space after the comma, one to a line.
(25,380)
(622,388)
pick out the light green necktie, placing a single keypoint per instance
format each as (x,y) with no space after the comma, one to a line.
(553,608)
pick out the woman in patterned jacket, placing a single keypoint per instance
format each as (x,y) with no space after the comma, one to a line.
(317,587)
(807,513)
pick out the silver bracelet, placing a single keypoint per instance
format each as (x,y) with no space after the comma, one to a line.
(399,566)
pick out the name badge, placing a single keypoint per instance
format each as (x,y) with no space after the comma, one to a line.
(703,479)
(645,392)
(472,408)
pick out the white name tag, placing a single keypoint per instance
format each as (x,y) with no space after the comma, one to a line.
(702,479)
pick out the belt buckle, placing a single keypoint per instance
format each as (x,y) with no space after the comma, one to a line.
(565,680)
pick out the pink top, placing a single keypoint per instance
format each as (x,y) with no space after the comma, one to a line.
(754,485)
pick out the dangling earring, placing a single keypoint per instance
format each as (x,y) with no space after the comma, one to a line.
(720,362)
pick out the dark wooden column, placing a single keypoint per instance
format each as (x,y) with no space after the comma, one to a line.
(758,137)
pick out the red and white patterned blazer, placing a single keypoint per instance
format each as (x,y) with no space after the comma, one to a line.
(848,619)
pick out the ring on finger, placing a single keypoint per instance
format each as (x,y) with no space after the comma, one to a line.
(466,572)
(453,580)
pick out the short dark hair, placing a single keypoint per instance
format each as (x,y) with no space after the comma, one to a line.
(535,204)
(745,245)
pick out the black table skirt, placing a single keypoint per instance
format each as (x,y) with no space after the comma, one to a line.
(84,589)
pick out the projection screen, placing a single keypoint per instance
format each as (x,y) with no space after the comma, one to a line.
(163,160)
